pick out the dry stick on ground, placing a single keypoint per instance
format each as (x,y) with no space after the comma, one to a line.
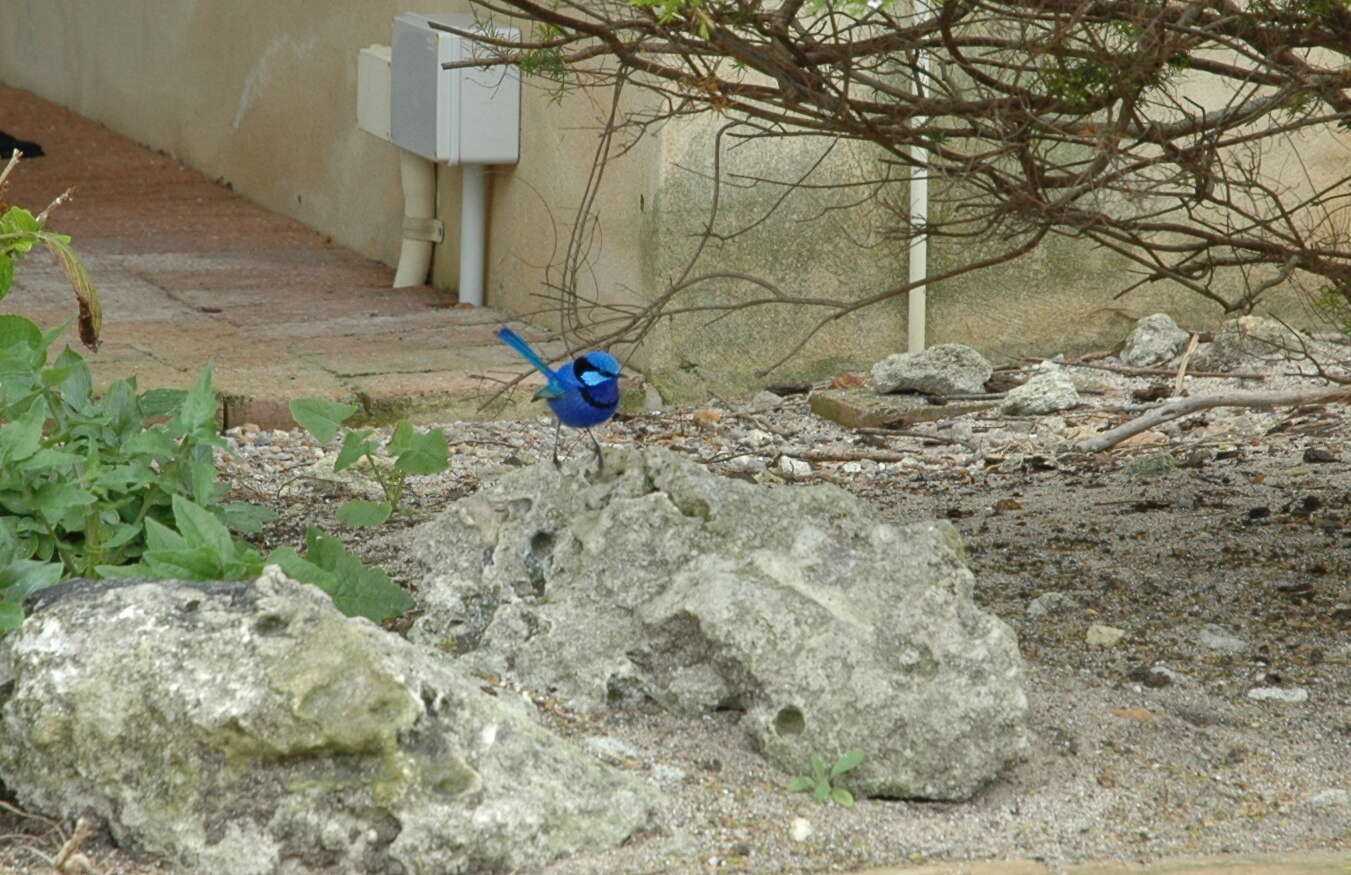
(1182,365)
(69,859)
(1153,372)
(901,432)
(859,455)
(1183,406)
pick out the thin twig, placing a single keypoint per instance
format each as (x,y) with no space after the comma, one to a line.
(68,859)
(63,197)
(844,455)
(1154,372)
(13,162)
(1182,365)
(900,432)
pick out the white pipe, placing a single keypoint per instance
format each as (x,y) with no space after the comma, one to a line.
(473,219)
(420,228)
(917,311)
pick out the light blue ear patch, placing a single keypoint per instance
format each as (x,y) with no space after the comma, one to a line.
(595,378)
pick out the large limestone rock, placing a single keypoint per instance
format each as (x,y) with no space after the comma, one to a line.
(1249,340)
(831,629)
(1048,391)
(945,369)
(1156,338)
(249,727)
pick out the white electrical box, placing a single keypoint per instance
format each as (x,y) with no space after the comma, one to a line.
(466,115)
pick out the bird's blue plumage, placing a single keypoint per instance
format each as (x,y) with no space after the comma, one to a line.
(581,394)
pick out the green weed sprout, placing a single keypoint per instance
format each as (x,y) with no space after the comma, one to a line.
(819,781)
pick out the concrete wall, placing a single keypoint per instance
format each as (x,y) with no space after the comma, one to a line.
(262,94)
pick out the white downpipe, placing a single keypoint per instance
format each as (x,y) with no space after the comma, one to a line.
(917,312)
(421,230)
(919,251)
(473,219)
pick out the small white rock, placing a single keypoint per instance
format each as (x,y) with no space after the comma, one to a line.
(1052,602)
(1219,638)
(1335,796)
(756,437)
(801,829)
(1100,635)
(746,465)
(664,774)
(1279,694)
(764,401)
(793,469)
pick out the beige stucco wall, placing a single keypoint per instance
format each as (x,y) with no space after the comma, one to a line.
(262,94)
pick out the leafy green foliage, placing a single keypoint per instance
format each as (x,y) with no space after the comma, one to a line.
(320,417)
(668,10)
(1334,304)
(818,783)
(202,549)
(80,475)
(110,485)
(356,589)
(125,485)
(414,453)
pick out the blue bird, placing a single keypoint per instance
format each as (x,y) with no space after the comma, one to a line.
(581,394)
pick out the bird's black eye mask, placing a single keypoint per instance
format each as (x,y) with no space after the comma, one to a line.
(588,374)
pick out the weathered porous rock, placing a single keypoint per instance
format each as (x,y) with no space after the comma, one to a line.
(248,727)
(1046,392)
(945,369)
(830,629)
(1154,339)
(1252,338)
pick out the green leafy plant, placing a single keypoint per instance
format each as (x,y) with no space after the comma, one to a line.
(414,452)
(90,483)
(357,590)
(200,547)
(21,231)
(819,781)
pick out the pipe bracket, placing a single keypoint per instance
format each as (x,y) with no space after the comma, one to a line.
(430,230)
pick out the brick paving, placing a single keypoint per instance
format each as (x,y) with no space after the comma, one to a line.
(190,272)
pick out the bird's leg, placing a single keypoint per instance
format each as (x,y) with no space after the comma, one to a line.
(558,435)
(600,458)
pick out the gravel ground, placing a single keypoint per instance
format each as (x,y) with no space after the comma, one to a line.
(1183,604)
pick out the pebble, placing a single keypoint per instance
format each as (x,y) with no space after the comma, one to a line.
(1279,694)
(793,469)
(1335,796)
(1219,638)
(755,437)
(801,829)
(1100,635)
(745,465)
(1051,603)
(664,774)
(763,402)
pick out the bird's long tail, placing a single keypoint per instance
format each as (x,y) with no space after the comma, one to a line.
(516,342)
